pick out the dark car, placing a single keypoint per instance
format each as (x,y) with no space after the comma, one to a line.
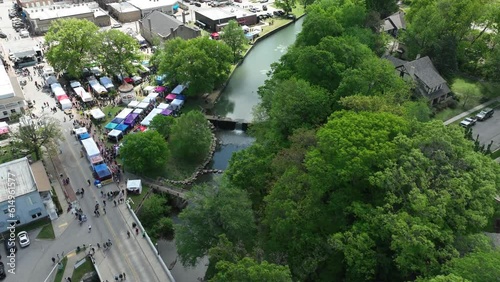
(3,35)
(197,4)
(2,271)
(485,114)
(10,246)
(264,8)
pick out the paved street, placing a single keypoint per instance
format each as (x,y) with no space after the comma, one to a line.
(130,255)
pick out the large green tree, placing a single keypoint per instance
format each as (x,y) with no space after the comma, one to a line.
(477,266)
(249,270)
(144,152)
(35,134)
(71,44)
(234,37)
(117,51)
(162,124)
(190,137)
(213,211)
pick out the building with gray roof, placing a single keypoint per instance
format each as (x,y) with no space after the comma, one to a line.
(394,23)
(165,27)
(124,12)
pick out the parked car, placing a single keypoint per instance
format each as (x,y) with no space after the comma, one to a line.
(116,25)
(485,114)
(24,240)
(3,35)
(197,4)
(264,1)
(468,122)
(2,271)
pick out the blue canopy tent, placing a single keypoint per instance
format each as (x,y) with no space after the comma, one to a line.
(178,89)
(160,79)
(83,136)
(102,172)
(122,127)
(180,97)
(117,120)
(111,125)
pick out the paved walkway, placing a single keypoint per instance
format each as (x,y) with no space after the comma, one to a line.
(475,109)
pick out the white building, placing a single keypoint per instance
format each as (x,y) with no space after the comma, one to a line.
(11,101)
(148,6)
(20,200)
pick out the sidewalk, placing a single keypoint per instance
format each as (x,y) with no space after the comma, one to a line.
(466,113)
(73,258)
(60,224)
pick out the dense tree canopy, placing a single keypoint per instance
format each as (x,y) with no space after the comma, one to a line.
(144,151)
(162,124)
(190,137)
(70,44)
(117,51)
(249,270)
(35,134)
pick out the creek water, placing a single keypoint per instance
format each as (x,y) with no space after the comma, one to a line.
(236,102)
(240,95)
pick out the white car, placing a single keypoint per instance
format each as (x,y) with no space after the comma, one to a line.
(24,240)
(468,122)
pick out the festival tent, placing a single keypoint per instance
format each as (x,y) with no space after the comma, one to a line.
(117,120)
(80,130)
(97,87)
(102,171)
(133,104)
(97,114)
(121,127)
(83,136)
(160,79)
(171,96)
(48,71)
(111,126)
(51,80)
(66,104)
(57,89)
(115,135)
(177,104)
(138,111)
(142,128)
(148,89)
(75,84)
(147,120)
(160,89)
(163,106)
(181,97)
(134,186)
(107,83)
(130,119)
(124,113)
(178,89)
(4,127)
(90,147)
(166,112)
(61,97)
(143,105)
(151,97)
(97,159)
(86,97)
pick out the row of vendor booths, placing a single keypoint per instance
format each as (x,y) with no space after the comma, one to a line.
(61,96)
(100,170)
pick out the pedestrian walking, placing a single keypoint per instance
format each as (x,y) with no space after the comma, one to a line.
(88,181)
(124,277)
(90,228)
(104,210)
(98,246)
(102,194)
(137,231)
(53,260)
(128,234)
(104,203)
(68,279)
(83,191)
(58,258)
(114,201)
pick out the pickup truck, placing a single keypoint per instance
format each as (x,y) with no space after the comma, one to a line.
(468,122)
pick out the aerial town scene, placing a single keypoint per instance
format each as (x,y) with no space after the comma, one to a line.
(249,140)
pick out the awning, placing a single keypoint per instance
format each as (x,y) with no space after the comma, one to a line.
(114,133)
(170,96)
(163,106)
(83,136)
(160,88)
(130,119)
(180,97)
(117,120)
(62,97)
(178,89)
(133,104)
(111,125)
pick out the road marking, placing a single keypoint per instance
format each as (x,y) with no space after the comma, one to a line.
(62,225)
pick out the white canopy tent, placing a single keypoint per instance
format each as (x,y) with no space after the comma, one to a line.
(80,130)
(86,96)
(147,120)
(142,105)
(134,186)
(90,147)
(57,89)
(98,88)
(150,97)
(115,135)
(124,113)
(138,111)
(148,89)
(163,106)
(66,104)
(177,104)
(133,104)
(97,114)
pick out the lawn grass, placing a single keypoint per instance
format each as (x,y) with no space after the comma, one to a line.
(47,232)
(137,198)
(86,267)
(113,110)
(60,272)
(495,154)
(471,93)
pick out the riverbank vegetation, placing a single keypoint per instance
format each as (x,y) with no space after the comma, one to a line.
(348,179)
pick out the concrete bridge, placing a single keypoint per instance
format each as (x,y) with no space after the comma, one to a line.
(160,186)
(228,123)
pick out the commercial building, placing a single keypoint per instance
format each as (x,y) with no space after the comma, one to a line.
(20,199)
(11,102)
(214,19)
(124,12)
(40,18)
(148,6)
(165,27)
(40,3)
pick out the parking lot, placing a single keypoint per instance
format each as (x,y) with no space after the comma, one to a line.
(489,130)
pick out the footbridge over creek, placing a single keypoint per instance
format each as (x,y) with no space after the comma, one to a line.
(228,123)
(161,186)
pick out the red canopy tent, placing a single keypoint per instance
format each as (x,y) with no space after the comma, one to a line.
(62,97)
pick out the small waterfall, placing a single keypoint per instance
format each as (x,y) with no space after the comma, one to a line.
(238,128)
